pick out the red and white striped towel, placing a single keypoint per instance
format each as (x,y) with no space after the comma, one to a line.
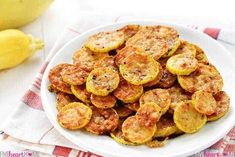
(29,127)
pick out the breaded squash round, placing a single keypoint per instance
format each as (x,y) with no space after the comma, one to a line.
(168,79)
(133,106)
(105,41)
(63,99)
(160,97)
(177,94)
(165,126)
(157,79)
(170,35)
(124,52)
(51,88)
(205,77)
(148,114)
(204,102)
(187,118)
(156,143)
(74,75)
(74,116)
(129,30)
(123,111)
(182,64)
(117,135)
(173,44)
(103,102)
(222,106)
(86,59)
(135,133)
(200,55)
(186,48)
(128,93)
(102,81)
(106,61)
(56,80)
(102,121)
(81,93)
(139,68)
(149,43)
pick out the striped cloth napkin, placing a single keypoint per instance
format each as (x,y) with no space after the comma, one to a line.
(28,126)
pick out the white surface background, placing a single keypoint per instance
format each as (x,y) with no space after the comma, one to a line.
(14,82)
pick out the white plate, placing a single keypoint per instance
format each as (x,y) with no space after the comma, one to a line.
(181,146)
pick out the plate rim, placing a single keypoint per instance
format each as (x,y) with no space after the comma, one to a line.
(141,22)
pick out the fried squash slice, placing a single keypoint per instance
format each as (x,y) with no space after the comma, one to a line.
(102,121)
(205,77)
(148,114)
(105,41)
(128,93)
(102,81)
(149,42)
(160,97)
(165,126)
(182,64)
(74,116)
(204,102)
(222,106)
(74,75)
(103,102)
(135,133)
(187,118)
(139,68)
(56,80)
(81,93)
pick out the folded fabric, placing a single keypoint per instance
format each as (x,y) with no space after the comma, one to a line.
(29,127)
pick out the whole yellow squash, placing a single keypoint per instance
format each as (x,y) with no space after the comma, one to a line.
(15,47)
(16,13)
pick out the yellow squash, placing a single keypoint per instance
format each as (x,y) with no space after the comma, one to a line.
(15,47)
(16,13)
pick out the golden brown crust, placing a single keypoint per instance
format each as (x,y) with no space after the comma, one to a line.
(74,116)
(103,102)
(206,78)
(124,52)
(123,111)
(182,64)
(200,55)
(149,42)
(81,93)
(186,48)
(168,79)
(135,133)
(56,80)
(139,68)
(204,102)
(157,79)
(187,118)
(128,93)
(102,81)
(148,114)
(63,99)
(160,97)
(106,61)
(105,41)
(177,94)
(133,106)
(222,106)
(74,75)
(129,30)
(102,121)
(86,59)
(165,126)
